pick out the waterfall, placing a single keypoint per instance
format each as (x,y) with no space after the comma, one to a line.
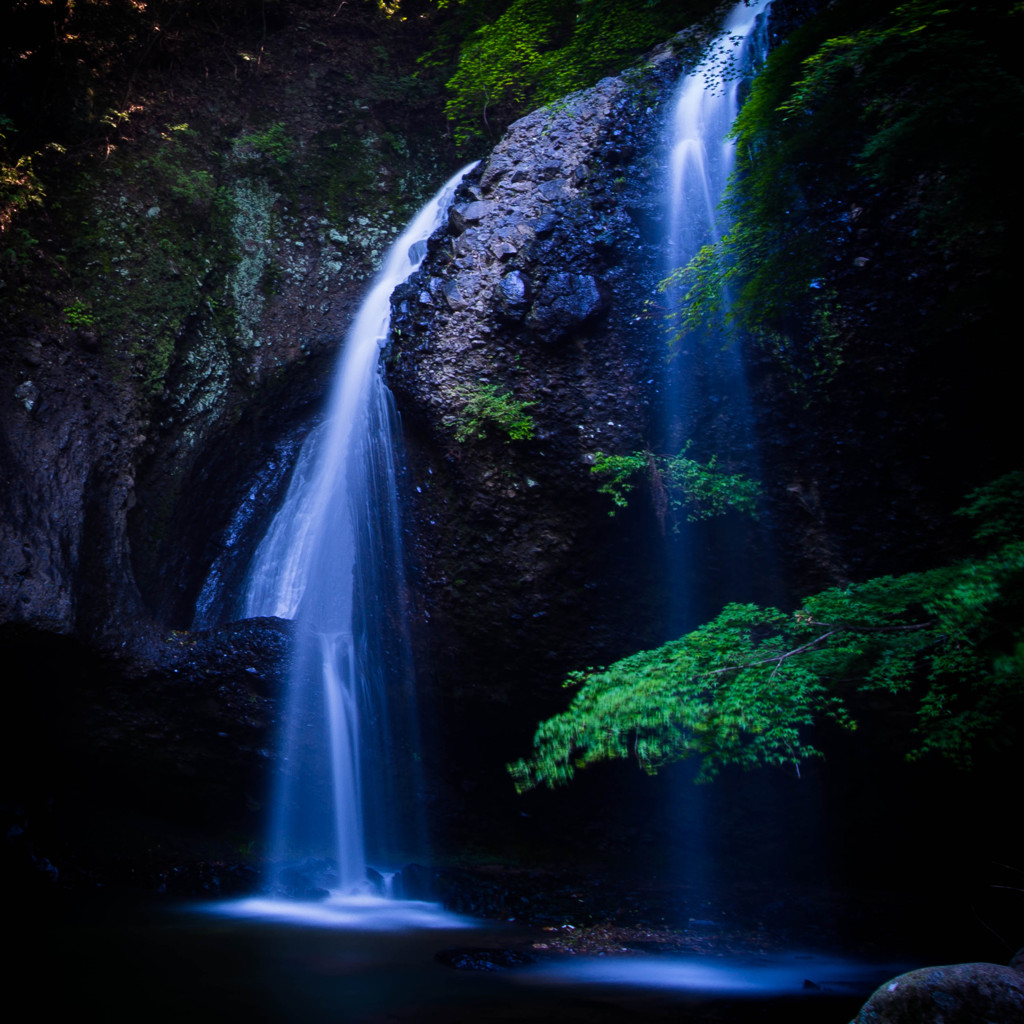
(705,107)
(705,393)
(331,561)
(704,387)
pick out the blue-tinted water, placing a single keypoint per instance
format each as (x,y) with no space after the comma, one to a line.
(216,963)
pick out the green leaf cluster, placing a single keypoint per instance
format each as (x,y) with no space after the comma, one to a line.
(78,314)
(701,490)
(487,407)
(621,474)
(746,688)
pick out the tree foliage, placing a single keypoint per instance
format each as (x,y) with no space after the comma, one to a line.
(19,184)
(746,688)
(517,55)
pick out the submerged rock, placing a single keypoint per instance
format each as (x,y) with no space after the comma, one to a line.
(470,958)
(309,881)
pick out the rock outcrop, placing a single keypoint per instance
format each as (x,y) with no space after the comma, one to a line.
(116,762)
(176,297)
(536,291)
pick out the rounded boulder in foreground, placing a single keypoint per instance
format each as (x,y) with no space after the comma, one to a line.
(957,994)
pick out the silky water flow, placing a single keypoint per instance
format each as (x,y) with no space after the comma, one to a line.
(331,561)
(706,402)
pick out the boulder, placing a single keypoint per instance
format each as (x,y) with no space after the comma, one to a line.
(462,216)
(567,301)
(513,293)
(978,993)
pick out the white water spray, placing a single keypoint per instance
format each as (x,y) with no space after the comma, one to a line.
(702,154)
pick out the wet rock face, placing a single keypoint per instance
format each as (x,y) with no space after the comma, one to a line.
(535,289)
(65,460)
(541,252)
(210,261)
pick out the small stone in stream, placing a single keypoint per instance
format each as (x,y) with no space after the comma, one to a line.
(468,958)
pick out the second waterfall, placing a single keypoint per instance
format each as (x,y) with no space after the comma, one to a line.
(331,561)
(706,403)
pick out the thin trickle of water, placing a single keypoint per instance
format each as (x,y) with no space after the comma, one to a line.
(330,560)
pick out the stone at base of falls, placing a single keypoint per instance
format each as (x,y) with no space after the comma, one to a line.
(309,880)
(957,994)
(468,958)
(415,882)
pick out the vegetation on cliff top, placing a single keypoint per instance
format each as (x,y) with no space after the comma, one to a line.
(133,138)
(514,55)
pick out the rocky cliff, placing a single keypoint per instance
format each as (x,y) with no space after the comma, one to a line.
(175,293)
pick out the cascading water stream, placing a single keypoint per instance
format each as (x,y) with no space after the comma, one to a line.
(330,560)
(705,389)
(702,156)
(706,401)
